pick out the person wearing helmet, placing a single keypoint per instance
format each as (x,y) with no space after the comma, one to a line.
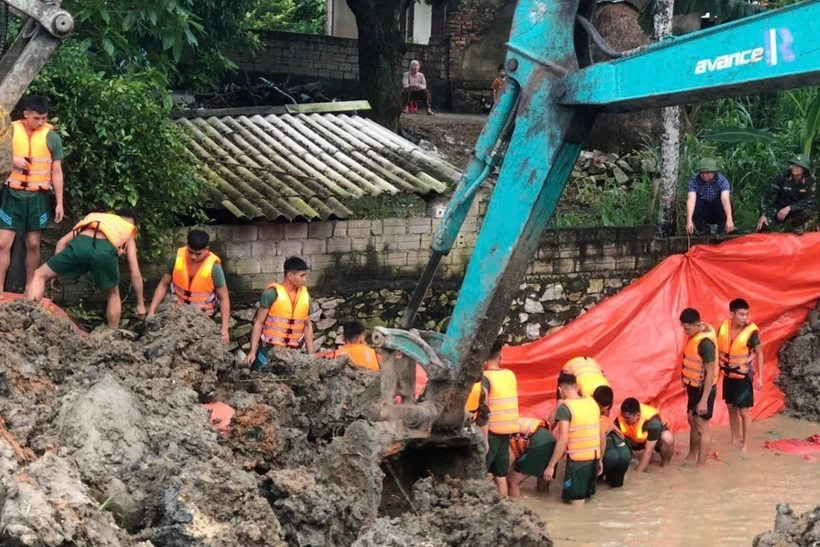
(708,200)
(789,197)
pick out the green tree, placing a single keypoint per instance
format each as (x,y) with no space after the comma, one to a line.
(122,147)
(165,34)
(305,16)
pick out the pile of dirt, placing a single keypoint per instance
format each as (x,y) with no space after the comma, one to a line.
(800,371)
(104,441)
(457,512)
(790,530)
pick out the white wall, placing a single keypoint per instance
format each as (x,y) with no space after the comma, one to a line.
(422,22)
(342,23)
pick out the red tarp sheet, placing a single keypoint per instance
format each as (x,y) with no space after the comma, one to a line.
(795,446)
(637,338)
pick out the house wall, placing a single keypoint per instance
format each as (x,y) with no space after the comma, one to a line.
(385,251)
(334,62)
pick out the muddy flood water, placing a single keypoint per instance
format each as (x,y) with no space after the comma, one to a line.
(728,503)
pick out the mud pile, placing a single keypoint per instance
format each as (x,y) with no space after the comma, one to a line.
(104,441)
(800,371)
(791,530)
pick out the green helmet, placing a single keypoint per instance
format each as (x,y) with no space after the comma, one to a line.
(707,165)
(802,160)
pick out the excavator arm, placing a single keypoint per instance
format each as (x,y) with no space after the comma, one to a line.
(536,132)
(45,25)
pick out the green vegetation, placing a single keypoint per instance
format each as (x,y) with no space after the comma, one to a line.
(122,147)
(110,87)
(752,138)
(404,205)
(306,16)
(779,125)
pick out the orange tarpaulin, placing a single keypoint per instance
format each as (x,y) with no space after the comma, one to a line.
(636,336)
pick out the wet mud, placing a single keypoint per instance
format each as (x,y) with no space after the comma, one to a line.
(800,371)
(792,530)
(104,441)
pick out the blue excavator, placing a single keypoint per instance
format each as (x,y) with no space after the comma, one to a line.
(534,135)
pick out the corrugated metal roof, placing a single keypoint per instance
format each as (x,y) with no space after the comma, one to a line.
(306,165)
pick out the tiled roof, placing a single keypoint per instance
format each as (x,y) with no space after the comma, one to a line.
(306,165)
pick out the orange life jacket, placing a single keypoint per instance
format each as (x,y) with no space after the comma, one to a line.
(635,431)
(286,321)
(502,398)
(35,149)
(116,229)
(473,400)
(584,442)
(588,372)
(736,361)
(520,441)
(694,372)
(199,289)
(361,354)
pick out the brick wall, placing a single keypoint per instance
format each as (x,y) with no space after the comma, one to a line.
(334,61)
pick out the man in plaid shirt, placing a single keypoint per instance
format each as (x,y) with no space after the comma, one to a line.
(708,200)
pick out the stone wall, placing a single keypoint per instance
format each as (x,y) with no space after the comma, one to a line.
(478,31)
(334,62)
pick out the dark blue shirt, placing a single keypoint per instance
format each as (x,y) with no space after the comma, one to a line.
(709,191)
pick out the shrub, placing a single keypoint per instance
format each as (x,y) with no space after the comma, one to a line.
(122,149)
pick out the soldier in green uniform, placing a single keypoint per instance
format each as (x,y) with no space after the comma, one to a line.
(789,197)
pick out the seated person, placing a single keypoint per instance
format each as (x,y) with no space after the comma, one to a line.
(644,430)
(530,452)
(617,454)
(414,88)
(790,197)
(708,200)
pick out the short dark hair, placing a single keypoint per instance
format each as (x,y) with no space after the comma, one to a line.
(198,240)
(738,304)
(295,264)
(689,316)
(495,350)
(604,396)
(128,212)
(567,379)
(630,406)
(501,67)
(37,104)
(352,330)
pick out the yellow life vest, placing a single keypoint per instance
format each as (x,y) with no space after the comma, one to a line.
(520,441)
(116,229)
(199,289)
(694,372)
(735,357)
(35,149)
(361,354)
(502,398)
(589,374)
(635,431)
(286,321)
(584,443)
(473,400)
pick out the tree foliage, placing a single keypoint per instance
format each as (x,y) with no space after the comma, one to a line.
(165,34)
(305,16)
(122,147)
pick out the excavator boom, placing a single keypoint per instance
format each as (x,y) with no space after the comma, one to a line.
(535,134)
(45,25)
